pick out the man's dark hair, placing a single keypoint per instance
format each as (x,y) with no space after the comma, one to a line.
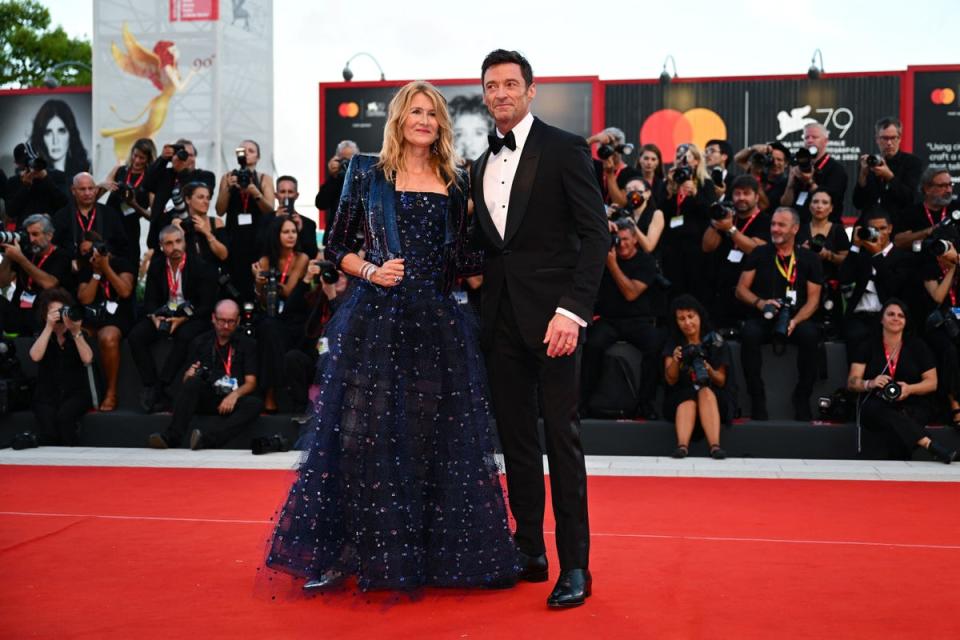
(888,121)
(625,224)
(878,214)
(296,185)
(745,181)
(782,148)
(725,148)
(502,56)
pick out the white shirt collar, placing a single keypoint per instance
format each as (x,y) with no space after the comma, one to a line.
(521,130)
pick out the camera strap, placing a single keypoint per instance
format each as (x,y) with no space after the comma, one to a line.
(93,217)
(823,162)
(40,262)
(953,287)
(244,202)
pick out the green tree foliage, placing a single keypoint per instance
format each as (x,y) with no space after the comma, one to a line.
(29,48)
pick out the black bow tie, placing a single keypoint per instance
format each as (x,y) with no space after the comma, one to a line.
(497,143)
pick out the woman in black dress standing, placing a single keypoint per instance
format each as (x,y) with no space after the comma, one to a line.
(128,195)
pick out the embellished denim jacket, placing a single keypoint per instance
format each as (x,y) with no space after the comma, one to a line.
(368,204)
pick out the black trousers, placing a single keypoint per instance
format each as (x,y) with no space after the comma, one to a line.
(641,333)
(275,336)
(57,419)
(145,334)
(757,331)
(521,381)
(299,370)
(197,397)
(903,423)
(948,362)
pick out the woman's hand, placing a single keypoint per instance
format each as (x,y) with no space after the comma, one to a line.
(254,191)
(878,382)
(72,327)
(678,353)
(202,225)
(53,317)
(108,185)
(231,180)
(389,274)
(257,278)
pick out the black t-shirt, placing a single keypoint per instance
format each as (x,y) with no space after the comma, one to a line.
(61,371)
(240,352)
(930,270)
(918,217)
(717,357)
(57,264)
(727,265)
(893,196)
(610,301)
(836,241)
(914,359)
(830,176)
(774,188)
(123,313)
(769,282)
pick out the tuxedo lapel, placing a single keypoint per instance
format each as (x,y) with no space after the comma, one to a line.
(480,201)
(523,181)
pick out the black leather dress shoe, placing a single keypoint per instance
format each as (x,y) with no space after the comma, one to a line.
(196,440)
(572,589)
(327,581)
(532,568)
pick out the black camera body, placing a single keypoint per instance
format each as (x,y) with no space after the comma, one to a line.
(165,313)
(694,358)
(890,392)
(35,161)
(940,319)
(719,210)
(244,175)
(780,317)
(328,271)
(818,242)
(716,176)
(635,200)
(682,173)
(15,237)
(272,444)
(271,291)
(760,160)
(873,160)
(868,234)
(605,151)
(81,313)
(180,151)
(803,159)
(837,407)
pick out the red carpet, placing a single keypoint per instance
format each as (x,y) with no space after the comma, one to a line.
(672,558)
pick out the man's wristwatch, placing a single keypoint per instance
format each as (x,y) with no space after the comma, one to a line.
(732,231)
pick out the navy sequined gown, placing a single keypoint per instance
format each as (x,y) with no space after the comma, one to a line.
(399,486)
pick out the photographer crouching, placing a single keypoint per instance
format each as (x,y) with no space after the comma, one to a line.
(781,282)
(625,314)
(220,382)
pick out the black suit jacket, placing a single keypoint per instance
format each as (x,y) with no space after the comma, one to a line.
(858,268)
(893,196)
(67,233)
(199,285)
(556,238)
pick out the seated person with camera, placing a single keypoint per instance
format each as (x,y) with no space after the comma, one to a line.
(942,328)
(781,283)
(221,381)
(767,163)
(829,241)
(30,258)
(898,374)
(328,197)
(888,180)
(625,314)
(717,154)
(287,195)
(86,214)
(174,169)
(873,272)
(612,172)
(179,294)
(127,195)
(34,187)
(697,366)
(281,292)
(106,287)
(734,232)
(205,235)
(813,169)
(62,352)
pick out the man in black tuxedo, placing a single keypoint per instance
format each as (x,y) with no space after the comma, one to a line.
(541,221)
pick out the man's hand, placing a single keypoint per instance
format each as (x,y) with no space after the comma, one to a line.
(883,172)
(723,225)
(175,324)
(228,403)
(880,381)
(13,253)
(333,165)
(561,337)
(192,371)
(612,257)
(791,326)
(155,320)
(98,262)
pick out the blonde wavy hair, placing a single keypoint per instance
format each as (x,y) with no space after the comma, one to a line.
(700,173)
(443,157)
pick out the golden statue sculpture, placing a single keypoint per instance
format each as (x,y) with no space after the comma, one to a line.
(159,67)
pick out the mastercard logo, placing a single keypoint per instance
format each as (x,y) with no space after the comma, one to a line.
(348,109)
(943,96)
(669,128)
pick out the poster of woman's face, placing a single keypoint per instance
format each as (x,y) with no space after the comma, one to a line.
(56,124)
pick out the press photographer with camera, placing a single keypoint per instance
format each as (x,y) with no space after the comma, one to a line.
(287,195)
(34,188)
(768,164)
(625,314)
(897,373)
(612,172)
(921,221)
(717,156)
(641,208)
(221,381)
(328,197)
(735,231)
(697,366)
(206,236)
(890,179)
(62,353)
(830,242)
(180,293)
(942,326)
(689,194)
(175,168)
(86,214)
(106,288)
(813,169)
(125,183)
(281,291)
(781,282)
(30,258)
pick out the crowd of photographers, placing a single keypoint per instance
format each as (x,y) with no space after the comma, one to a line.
(753,246)
(209,283)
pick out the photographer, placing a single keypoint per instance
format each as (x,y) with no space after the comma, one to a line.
(625,314)
(689,194)
(781,283)
(898,373)
(34,188)
(62,352)
(942,330)
(328,197)
(221,381)
(612,172)
(888,180)
(246,198)
(175,168)
(127,195)
(829,241)
(873,272)
(813,169)
(205,235)
(717,155)
(920,221)
(287,195)
(36,266)
(741,229)
(86,214)
(107,286)
(281,293)
(768,164)
(179,294)
(696,371)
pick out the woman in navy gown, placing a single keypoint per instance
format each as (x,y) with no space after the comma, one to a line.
(399,486)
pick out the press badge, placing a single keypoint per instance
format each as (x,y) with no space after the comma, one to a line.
(280,307)
(460,297)
(676,221)
(735,256)
(227,382)
(244,219)
(323,346)
(111,307)
(26,299)
(802,198)
(791,296)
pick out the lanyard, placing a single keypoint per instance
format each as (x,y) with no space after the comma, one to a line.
(106,288)
(788,268)
(43,259)
(139,180)
(943,212)
(747,224)
(823,161)
(892,359)
(228,363)
(244,201)
(953,287)
(173,284)
(93,216)
(286,268)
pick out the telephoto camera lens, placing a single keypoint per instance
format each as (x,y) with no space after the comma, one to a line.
(818,242)
(891,391)
(635,200)
(936,248)
(720,210)
(769,311)
(868,234)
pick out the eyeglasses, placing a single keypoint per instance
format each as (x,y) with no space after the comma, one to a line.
(225,321)
(941,185)
(888,138)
